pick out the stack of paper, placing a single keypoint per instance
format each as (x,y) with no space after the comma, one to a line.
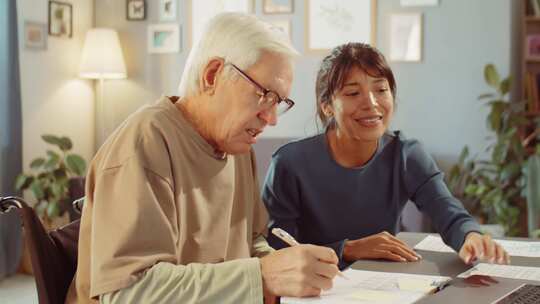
(514,248)
(376,287)
(504,271)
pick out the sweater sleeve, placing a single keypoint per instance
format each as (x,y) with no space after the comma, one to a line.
(236,281)
(426,188)
(281,195)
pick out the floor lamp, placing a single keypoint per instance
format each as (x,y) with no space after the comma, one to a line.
(102,59)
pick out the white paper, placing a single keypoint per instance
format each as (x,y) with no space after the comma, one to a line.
(514,248)
(374,287)
(504,271)
(419,2)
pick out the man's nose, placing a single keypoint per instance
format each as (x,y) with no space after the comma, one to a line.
(269,115)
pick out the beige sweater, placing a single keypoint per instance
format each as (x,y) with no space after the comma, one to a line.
(156,192)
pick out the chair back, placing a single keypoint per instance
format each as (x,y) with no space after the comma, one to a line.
(53,254)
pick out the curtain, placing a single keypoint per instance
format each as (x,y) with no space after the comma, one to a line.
(10,135)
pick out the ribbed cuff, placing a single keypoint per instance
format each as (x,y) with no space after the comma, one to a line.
(253,273)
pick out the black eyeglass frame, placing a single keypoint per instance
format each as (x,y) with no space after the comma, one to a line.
(264,93)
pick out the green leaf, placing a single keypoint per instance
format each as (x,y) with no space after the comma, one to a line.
(65,144)
(58,190)
(505,86)
(54,159)
(53,209)
(463,155)
(485,96)
(36,163)
(471,189)
(37,190)
(22,182)
(492,76)
(76,164)
(53,140)
(60,174)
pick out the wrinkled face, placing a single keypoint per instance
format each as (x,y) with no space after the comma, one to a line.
(241,118)
(363,107)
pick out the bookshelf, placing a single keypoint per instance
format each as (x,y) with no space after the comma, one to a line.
(531,71)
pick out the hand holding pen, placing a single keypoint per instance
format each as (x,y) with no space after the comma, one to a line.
(287,238)
(301,270)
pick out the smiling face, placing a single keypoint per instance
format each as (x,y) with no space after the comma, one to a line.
(362,108)
(239,116)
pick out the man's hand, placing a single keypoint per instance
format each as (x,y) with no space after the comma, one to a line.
(379,246)
(298,271)
(482,247)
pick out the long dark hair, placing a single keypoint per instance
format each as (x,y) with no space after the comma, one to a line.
(335,67)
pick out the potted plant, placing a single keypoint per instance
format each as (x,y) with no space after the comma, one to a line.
(55,180)
(495,190)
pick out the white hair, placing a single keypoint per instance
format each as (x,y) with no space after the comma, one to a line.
(237,38)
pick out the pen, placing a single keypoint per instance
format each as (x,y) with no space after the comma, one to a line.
(287,238)
(440,285)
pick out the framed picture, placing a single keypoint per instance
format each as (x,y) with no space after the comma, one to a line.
(167,10)
(282,25)
(419,2)
(35,35)
(202,11)
(533,47)
(60,19)
(330,23)
(164,38)
(406,37)
(278,6)
(135,9)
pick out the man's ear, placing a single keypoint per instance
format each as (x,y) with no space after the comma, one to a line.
(210,75)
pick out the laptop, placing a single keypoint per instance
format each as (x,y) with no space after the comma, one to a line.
(524,294)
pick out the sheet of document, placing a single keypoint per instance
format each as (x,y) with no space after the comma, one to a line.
(504,271)
(375,287)
(514,248)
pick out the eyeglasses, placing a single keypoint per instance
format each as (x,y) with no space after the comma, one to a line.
(267,98)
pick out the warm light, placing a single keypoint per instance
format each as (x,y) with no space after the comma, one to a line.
(102,55)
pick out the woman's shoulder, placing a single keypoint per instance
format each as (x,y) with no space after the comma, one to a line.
(299,148)
(406,144)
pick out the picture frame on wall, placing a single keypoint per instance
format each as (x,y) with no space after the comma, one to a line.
(199,12)
(135,10)
(168,9)
(406,37)
(330,23)
(278,6)
(35,35)
(532,48)
(60,19)
(164,38)
(282,25)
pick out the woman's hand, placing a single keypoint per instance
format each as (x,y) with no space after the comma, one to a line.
(483,247)
(379,246)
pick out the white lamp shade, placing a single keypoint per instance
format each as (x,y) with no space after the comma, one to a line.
(102,55)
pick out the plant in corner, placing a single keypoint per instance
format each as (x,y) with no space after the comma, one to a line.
(496,189)
(51,178)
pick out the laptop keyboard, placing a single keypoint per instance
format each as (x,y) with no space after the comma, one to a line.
(526,294)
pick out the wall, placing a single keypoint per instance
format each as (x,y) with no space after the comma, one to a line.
(436,97)
(54,99)
(10,106)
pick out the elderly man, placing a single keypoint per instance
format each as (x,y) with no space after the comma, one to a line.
(173,212)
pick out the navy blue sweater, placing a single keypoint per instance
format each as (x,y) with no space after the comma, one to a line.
(320,202)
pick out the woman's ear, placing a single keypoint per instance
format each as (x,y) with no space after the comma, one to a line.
(327,109)
(210,75)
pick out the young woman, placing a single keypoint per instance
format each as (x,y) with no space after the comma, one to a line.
(346,188)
